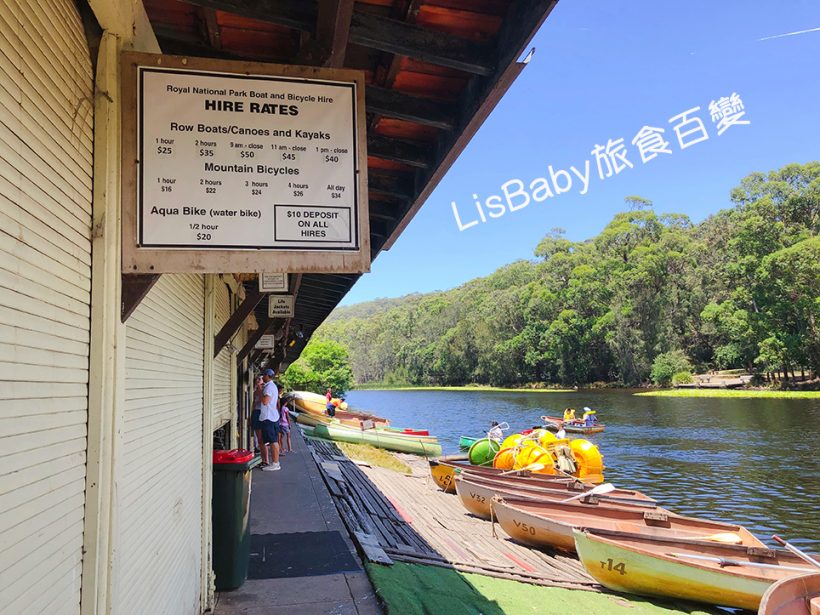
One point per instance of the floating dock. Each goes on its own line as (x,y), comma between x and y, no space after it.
(406,517)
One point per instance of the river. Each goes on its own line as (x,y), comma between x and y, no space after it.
(748,461)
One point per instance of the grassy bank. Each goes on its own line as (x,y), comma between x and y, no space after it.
(373,456)
(412,589)
(476,388)
(735,393)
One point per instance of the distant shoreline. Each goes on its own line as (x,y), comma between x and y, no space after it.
(732,393)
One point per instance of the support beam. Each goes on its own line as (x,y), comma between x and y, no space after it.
(413,41)
(264,327)
(296,14)
(398,151)
(333,30)
(391,103)
(401,186)
(252,299)
(212,28)
(134,288)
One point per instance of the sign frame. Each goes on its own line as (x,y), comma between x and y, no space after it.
(265,288)
(136,259)
(266,342)
(284,300)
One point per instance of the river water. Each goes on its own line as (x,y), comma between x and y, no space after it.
(748,461)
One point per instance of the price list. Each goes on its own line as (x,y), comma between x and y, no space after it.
(239,161)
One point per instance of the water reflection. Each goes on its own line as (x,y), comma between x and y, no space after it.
(748,461)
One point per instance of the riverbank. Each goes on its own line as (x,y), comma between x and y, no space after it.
(731,393)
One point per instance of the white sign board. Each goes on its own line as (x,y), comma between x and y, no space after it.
(280,306)
(266,342)
(232,161)
(273,282)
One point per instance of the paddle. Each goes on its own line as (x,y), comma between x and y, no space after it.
(723,562)
(725,537)
(599,490)
(533,467)
(796,551)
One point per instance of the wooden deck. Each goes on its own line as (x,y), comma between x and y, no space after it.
(407,518)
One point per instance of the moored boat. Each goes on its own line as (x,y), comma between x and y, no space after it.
(702,571)
(549,524)
(476,494)
(553,422)
(794,596)
(443,472)
(465,442)
(422,445)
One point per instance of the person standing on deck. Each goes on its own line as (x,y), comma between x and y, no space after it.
(330,407)
(256,424)
(284,428)
(270,419)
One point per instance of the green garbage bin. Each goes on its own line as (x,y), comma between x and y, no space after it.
(231,501)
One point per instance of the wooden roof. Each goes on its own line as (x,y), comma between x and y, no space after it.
(434,71)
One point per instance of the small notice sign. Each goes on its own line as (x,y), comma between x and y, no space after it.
(273,282)
(280,306)
(266,342)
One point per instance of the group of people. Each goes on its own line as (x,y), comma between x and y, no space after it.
(270,421)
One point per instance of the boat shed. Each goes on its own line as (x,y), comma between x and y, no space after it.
(117,382)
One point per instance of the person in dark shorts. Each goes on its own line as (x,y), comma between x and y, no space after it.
(270,419)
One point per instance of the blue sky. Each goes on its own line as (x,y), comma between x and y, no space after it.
(602,70)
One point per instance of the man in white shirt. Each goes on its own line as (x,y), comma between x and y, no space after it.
(269,418)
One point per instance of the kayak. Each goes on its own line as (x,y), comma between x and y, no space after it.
(312,403)
(549,524)
(465,442)
(702,571)
(477,494)
(423,445)
(570,427)
(312,420)
(794,596)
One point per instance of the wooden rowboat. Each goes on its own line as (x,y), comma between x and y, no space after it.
(570,427)
(549,524)
(444,472)
(477,495)
(794,596)
(703,571)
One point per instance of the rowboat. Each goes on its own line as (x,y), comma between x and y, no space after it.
(423,445)
(311,420)
(793,596)
(549,524)
(311,403)
(704,571)
(477,494)
(444,471)
(553,423)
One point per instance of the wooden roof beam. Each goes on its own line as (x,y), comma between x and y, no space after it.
(393,185)
(333,29)
(252,299)
(391,103)
(369,30)
(398,151)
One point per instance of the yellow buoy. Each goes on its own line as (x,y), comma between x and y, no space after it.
(589,459)
(512,441)
(534,454)
(505,459)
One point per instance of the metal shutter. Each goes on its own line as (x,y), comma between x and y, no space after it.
(159,503)
(46,106)
(222,363)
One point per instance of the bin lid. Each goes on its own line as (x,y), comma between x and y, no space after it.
(237,455)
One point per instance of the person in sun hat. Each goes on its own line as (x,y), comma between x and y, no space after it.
(269,417)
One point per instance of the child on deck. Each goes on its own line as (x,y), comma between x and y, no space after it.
(284,428)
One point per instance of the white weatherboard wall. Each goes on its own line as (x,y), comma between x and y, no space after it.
(46,87)
(157,550)
(222,363)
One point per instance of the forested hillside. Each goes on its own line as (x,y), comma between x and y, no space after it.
(739,290)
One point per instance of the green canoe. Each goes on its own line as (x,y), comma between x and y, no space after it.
(426,446)
(465,442)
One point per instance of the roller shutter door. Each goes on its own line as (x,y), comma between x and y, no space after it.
(222,363)
(46,103)
(159,502)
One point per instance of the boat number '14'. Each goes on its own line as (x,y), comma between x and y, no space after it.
(610,565)
(524,527)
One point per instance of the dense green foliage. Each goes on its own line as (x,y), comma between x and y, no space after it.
(739,290)
(324,363)
(667,365)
